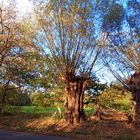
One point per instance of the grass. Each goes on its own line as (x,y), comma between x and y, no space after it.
(90,130)
(124,104)
(49,111)
(39,110)
(89,110)
(38,120)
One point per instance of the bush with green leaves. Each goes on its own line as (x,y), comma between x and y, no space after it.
(10,110)
(18,99)
(14,96)
(115,97)
(39,99)
(53,98)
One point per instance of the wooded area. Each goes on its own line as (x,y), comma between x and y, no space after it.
(50,57)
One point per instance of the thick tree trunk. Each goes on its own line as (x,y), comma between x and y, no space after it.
(136,98)
(134,87)
(4,93)
(74,108)
(137,116)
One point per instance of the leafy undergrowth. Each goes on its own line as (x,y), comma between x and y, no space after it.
(92,129)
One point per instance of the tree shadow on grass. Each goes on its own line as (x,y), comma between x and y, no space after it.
(92,129)
(96,130)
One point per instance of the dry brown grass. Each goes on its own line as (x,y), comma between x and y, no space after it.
(92,129)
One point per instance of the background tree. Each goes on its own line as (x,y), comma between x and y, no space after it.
(94,86)
(122,41)
(15,96)
(18,54)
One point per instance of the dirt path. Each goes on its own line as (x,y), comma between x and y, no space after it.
(10,135)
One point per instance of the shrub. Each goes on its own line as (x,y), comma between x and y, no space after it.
(46,99)
(18,99)
(37,99)
(9,110)
(14,96)
(117,98)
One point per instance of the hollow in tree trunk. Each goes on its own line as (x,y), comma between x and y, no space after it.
(74,108)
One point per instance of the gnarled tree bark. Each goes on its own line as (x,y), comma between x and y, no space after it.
(134,84)
(136,98)
(74,107)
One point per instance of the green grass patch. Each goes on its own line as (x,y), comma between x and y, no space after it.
(124,104)
(89,111)
(49,111)
(39,111)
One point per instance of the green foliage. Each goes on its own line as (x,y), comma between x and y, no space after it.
(14,96)
(10,110)
(57,96)
(114,17)
(53,98)
(38,99)
(18,99)
(115,97)
(94,87)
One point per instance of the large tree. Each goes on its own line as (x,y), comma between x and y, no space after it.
(18,54)
(122,35)
(67,35)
